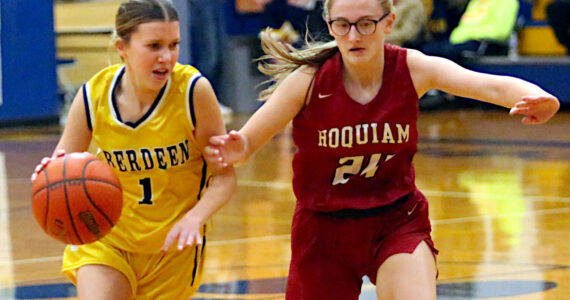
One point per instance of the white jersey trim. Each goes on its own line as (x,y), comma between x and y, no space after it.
(190,98)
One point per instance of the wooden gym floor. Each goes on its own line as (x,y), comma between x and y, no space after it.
(499,203)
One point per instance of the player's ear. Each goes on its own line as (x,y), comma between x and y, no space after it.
(120,47)
(390,21)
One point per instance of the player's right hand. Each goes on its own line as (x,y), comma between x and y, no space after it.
(536,109)
(44,162)
(227,149)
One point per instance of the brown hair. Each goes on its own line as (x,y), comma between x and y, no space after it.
(280,59)
(132,13)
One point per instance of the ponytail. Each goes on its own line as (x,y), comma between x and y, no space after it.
(282,59)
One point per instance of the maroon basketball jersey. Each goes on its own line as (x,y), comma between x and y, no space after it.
(354,156)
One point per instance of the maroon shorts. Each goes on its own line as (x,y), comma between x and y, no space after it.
(331,252)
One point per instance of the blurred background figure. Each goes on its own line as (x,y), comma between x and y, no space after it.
(484,29)
(207,43)
(459,29)
(410,20)
(558,12)
(443,17)
(304,16)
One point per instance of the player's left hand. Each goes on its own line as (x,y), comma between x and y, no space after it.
(44,162)
(536,109)
(186,232)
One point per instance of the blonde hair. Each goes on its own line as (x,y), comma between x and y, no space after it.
(281,59)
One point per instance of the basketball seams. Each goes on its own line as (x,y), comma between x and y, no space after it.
(65,181)
(75,193)
(67,200)
(47,201)
(83,172)
(83,180)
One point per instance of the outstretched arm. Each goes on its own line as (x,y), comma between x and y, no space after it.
(525,98)
(272,117)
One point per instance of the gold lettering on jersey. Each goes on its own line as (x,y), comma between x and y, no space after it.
(349,136)
(361,134)
(346,136)
(132,160)
(334,134)
(388,137)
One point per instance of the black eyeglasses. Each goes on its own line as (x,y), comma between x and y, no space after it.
(363,26)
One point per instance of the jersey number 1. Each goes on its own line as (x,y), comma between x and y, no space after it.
(147,191)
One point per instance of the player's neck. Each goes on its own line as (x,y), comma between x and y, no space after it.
(365,75)
(133,90)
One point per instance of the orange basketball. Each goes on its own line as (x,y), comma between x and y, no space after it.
(77,198)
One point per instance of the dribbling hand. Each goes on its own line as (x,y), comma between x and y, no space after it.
(536,109)
(44,162)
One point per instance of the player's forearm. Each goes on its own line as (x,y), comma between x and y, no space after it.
(501,90)
(256,135)
(218,193)
(510,90)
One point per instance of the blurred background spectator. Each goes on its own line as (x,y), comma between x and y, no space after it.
(231,27)
(410,20)
(558,12)
(484,29)
(443,18)
(208,42)
(303,15)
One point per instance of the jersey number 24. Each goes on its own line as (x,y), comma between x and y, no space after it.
(353,165)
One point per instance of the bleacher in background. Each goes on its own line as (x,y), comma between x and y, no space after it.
(550,72)
(83,34)
(83,31)
(535,35)
(538,56)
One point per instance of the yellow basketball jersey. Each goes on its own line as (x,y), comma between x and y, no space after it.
(161,170)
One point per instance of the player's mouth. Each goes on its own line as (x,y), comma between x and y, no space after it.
(160,74)
(356,50)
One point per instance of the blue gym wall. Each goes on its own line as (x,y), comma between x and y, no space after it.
(29,83)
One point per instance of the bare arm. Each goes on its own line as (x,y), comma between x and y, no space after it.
(209,122)
(430,72)
(278,111)
(283,105)
(76,134)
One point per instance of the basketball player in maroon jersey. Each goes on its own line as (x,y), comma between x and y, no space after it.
(354,107)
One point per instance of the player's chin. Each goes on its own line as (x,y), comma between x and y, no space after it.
(156,82)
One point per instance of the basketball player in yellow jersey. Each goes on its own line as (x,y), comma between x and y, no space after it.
(151,119)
